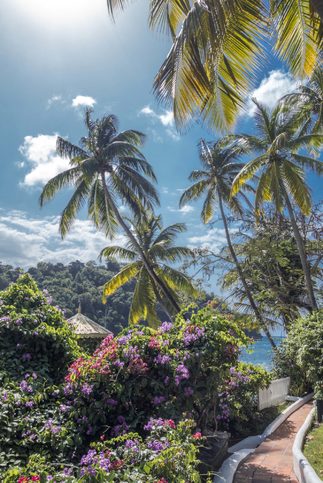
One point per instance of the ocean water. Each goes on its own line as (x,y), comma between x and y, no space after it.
(261,352)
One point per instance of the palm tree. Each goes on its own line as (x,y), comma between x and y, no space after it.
(219,44)
(281,169)
(107,167)
(158,245)
(220,166)
(309,99)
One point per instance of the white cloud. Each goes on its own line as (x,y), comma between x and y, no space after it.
(25,241)
(83,101)
(271,89)
(166,119)
(41,158)
(55,100)
(184,210)
(214,239)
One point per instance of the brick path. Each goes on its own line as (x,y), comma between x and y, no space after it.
(272,461)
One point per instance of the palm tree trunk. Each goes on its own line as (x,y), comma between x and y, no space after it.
(242,277)
(130,235)
(301,251)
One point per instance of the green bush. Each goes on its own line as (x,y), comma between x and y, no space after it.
(34,337)
(300,355)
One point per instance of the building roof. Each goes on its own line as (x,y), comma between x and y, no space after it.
(85,327)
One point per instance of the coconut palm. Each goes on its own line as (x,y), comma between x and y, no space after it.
(214,181)
(309,99)
(107,170)
(281,168)
(219,44)
(158,245)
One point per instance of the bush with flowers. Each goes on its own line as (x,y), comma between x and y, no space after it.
(180,368)
(167,454)
(34,337)
(36,347)
(67,416)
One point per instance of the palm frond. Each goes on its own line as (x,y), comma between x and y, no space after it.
(297,35)
(117,253)
(168,234)
(66,149)
(294,181)
(73,207)
(126,274)
(55,184)
(247,172)
(144,301)
(193,192)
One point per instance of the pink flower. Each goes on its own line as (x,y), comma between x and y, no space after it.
(197,435)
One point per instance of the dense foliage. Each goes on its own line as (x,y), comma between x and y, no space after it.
(300,356)
(121,414)
(68,285)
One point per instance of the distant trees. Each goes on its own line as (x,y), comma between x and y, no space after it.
(78,282)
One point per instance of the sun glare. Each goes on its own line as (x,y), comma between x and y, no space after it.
(57,14)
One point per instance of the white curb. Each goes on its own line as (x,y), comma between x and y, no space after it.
(248,445)
(302,468)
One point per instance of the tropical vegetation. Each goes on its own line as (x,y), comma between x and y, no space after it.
(120,414)
(157,243)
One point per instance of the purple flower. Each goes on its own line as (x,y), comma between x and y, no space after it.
(192,334)
(67,471)
(157,445)
(5,319)
(166,327)
(24,386)
(157,400)
(182,373)
(188,391)
(5,396)
(166,380)
(64,408)
(86,389)
(154,423)
(162,359)
(29,404)
(18,322)
(132,444)
(111,402)
(68,389)
(118,363)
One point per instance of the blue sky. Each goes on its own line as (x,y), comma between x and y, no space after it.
(56,57)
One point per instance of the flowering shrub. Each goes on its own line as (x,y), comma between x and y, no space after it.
(127,408)
(179,368)
(168,454)
(36,347)
(34,337)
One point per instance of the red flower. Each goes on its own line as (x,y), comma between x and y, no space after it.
(23,479)
(35,478)
(116,464)
(170,423)
(102,437)
(154,343)
(197,435)
(162,480)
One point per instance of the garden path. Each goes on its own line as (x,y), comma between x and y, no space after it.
(272,461)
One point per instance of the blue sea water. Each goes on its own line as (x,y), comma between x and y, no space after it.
(260,352)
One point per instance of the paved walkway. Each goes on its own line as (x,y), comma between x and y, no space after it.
(272,461)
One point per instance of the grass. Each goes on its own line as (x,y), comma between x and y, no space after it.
(313,449)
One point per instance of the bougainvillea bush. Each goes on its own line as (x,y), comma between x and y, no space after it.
(135,410)
(181,368)
(36,347)
(167,454)
(34,337)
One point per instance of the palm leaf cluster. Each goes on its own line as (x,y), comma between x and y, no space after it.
(158,244)
(104,157)
(218,45)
